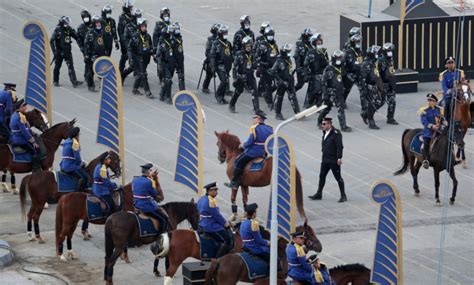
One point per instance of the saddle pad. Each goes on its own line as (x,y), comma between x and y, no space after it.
(20,155)
(94,209)
(66,183)
(256,166)
(146,227)
(416,144)
(209,247)
(256,267)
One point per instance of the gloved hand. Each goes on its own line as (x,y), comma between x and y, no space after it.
(94,58)
(117,45)
(35,145)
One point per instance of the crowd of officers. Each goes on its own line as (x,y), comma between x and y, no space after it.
(247,57)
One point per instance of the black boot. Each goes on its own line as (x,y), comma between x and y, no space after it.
(235,182)
(343,192)
(36,163)
(317,196)
(222,250)
(392,121)
(372,125)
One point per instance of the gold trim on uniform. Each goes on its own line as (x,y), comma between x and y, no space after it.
(253,132)
(22,118)
(75,145)
(153,184)
(299,250)
(212,202)
(103,171)
(255,225)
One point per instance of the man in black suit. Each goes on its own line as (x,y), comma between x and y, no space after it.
(332,159)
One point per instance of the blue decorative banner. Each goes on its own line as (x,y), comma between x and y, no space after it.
(286,186)
(189,160)
(110,127)
(388,260)
(38,79)
(410,5)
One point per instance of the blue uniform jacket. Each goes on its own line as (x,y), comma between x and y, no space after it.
(144,194)
(255,144)
(6,106)
(251,237)
(102,184)
(210,219)
(447,79)
(298,267)
(71,159)
(430,117)
(20,129)
(323,275)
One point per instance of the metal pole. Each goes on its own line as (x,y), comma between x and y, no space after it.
(370,9)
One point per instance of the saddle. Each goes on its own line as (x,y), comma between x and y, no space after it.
(96,200)
(257,164)
(143,216)
(256,267)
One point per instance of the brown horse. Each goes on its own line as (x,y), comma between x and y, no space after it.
(441,151)
(228,150)
(230,269)
(42,185)
(355,274)
(462,116)
(36,119)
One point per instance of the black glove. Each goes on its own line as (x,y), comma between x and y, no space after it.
(117,45)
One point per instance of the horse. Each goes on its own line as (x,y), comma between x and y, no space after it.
(230,268)
(42,185)
(462,116)
(355,274)
(441,149)
(36,119)
(228,149)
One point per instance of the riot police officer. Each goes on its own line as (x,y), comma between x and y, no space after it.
(369,88)
(61,47)
(179,54)
(221,62)
(265,55)
(164,22)
(351,65)
(301,49)
(130,30)
(124,19)
(140,50)
(333,90)
(244,68)
(316,60)
(243,32)
(260,37)
(281,71)
(206,65)
(110,28)
(82,30)
(352,31)
(167,60)
(94,47)
(387,74)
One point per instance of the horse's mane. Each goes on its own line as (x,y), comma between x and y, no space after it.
(350,267)
(51,130)
(230,140)
(178,205)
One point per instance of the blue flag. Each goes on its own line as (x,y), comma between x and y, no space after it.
(388,258)
(189,160)
(38,79)
(410,5)
(286,187)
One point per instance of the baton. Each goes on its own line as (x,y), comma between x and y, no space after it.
(200,76)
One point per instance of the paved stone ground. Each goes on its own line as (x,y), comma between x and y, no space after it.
(346,230)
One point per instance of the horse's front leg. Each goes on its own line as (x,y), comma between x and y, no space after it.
(463,158)
(233,198)
(5,187)
(452,174)
(245,196)
(13,183)
(436,178)
(414,170)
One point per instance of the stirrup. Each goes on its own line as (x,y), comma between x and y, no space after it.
(426,164)
(232,184)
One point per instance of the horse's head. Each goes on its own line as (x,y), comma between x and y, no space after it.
(311,240)
(225,141)
(193,215)
(115,163)
(63,128)
(464,91)
(37,120)
(458,134)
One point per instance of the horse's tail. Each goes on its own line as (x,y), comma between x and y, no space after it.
(299,194)
(404,167)
(59,218)
(23,188)
(109,242)
(211,272)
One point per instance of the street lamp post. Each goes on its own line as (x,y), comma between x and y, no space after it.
(274,218)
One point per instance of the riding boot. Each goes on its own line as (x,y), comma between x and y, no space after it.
(36,163)
(222,250)
(80,185)
(373,126)
(235,182)
(343,193)
(317,196)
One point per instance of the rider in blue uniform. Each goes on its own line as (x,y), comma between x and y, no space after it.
(254,147)
(212,222)
(431,117)
(321,271)
(71,162)
(252,239)
(21,135)
(298,267)
(102,186)
(146,197)
(7,98)
(448,80)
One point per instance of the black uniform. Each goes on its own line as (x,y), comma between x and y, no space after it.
(281,72)
(351,71)
(94,47)
(314,64)
(301,50)
(333,94)
(61,47)
(140,50)
(110,34)
(369,87)
(239,36)
(130,30)
(207,61)
(179,54)
(266,55)
(166,58)
(244,68)
(124,19)
(221,62)
(81,38)
(387,74)
(159,26)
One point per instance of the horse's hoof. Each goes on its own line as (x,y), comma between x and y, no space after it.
(41,240)
(168,280)
(233,217)
(464,164)
(31,237)
(86,235)
(15,191)
(72,254)
(46,205)
(417,194)
(438,203)
(62,258)
(451,201)
(157,274)
(5,187)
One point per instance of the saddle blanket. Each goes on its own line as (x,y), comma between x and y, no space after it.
(258,165)
(208,246)
(416,144)
(20,155)
(145,226)
(94,208)
(256,267)
(66,183)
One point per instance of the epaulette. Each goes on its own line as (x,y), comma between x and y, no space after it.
(422,110)
(75,145)
(441,75)
(255,225)
(252,130)
(153,184)
(461,73)
(299,250)
(103,171)
(22,118)
(212,202)
(441,110)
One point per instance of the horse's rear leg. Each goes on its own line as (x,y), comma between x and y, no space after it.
(29,225)
(245,196)
(463,158)
(13,183)
(124,256)
(452,174)
(84,230)
(5,187)
(436,178)
(415,166)
(36,216)
(233,198)
(109,266)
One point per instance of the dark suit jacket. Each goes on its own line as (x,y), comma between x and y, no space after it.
(332,146)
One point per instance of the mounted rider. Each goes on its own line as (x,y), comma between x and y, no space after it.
(102,186)
(432,116)
(212,222)
(71,162)
(449,79)
(146,197)
(252,239)
(299,269)
(254,147)
(7,99)
(321,271)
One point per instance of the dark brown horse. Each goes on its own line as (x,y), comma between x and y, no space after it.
(441,151)
(355,274)
(228,150)
(462,116)
(42,185)
(230,268)
(36,119)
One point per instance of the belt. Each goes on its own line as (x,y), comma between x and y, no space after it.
(98,182)
(15,131)
(292,264)
(141,197)
(68,157)
(260,143)
(247,240)
(204,216)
